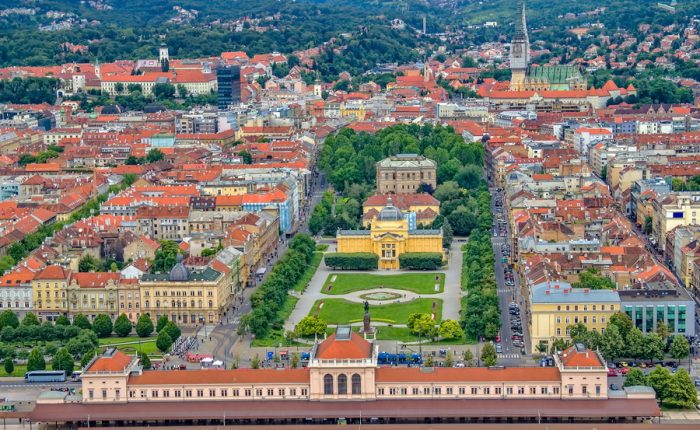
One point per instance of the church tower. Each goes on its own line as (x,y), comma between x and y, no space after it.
(98,72)
(163,54)
(519,50)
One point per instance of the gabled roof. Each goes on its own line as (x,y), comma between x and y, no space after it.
(355,347)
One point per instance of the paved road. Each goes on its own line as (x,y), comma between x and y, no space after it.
(225,336)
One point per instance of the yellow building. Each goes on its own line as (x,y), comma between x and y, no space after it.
(193,297)
(672,211)
(555,306)
(389,236)
(425,207)
(49,290)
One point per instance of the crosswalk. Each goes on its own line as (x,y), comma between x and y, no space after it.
(508,355)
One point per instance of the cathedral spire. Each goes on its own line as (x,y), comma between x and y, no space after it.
(521,22)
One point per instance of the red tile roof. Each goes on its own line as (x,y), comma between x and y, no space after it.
(571,357)
(470,374)
(355,347)
(116,363)
(219,376)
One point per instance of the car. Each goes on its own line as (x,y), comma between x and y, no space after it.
(499,348)
(642,365)
(612,372)
(498,338)
(623,371)
(696,381)
(614,387)
(624,364)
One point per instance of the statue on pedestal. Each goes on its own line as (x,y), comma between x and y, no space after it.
(367,319)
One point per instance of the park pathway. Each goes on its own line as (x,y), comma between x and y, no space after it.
(451,295)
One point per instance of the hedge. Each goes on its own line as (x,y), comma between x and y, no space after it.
(352,260)
(420,260)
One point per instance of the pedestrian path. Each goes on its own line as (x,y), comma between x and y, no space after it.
(509,356)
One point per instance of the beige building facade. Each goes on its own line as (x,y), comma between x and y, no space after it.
(404,173)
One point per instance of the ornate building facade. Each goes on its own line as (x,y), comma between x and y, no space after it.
(389,236)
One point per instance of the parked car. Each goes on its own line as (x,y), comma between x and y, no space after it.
(612,372)
(499,348)
(614,387)
(623,371)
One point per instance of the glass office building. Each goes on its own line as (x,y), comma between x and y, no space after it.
(228,79)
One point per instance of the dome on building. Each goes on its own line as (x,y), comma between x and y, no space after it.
(390,212)
(154,108)
(111,110)
(179,272)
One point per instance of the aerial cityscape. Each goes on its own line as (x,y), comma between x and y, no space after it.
(410,214)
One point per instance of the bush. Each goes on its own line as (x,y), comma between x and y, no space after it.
(352,260)
(35,361)
(81,321)
(420,260)
(162,322)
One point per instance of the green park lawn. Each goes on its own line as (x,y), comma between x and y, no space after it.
(146,345)
(421,283)
(340,311)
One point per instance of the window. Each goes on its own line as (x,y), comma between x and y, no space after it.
(533,390)
(449,391)
(304,392)
(474,390)
(91,394)
(415,391)
(544,390)
(258,392)
(236,393)
(437,390)
(356,384)
(342,384)
(404,391)
(571,390)
(558,331)
(212,392)
(270,392)
(104,394)
(509,390)
(200,393)
(499,390)
(521,390)
(281,392)
(292,391)
(188,393)
(392,391)
(426,391)
(461,390)
(597,390)
(248,392)
(178,393)
(381,391)
(584,389)
(487,390)
(328,384)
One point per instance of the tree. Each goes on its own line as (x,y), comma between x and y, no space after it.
(144,326)
(311,325)
(662,330)
(9,366)
(246,158)
(173,330)
(635,376)
(648,224)
(163,91)
(447,234)
(62,320)
(449,359)
(635,343)
(119,88)
(86,357)
(592,279)
(102,326)
(612,344)
(35,361)
(145,361)
(8,319)
(659,379)
(447,191)
(468,357)
(166,256)
(163,341)
(17,251)
(559,345)
(681,390)
(162,322)
(450,329)
(422,324)
(255,362)
(488,355)
(30,319)
(469,177)
(154,155)
(653,347)
(81,321)
(122,325)
(88,264)
(295,360)
(680,348)
(63,361)
(623,323)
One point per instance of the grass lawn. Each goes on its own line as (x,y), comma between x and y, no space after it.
(340,311)
(20,370)
(301,284)
(421,283)
(117,340)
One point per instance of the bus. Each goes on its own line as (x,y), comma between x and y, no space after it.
(76,375)
(45,376)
